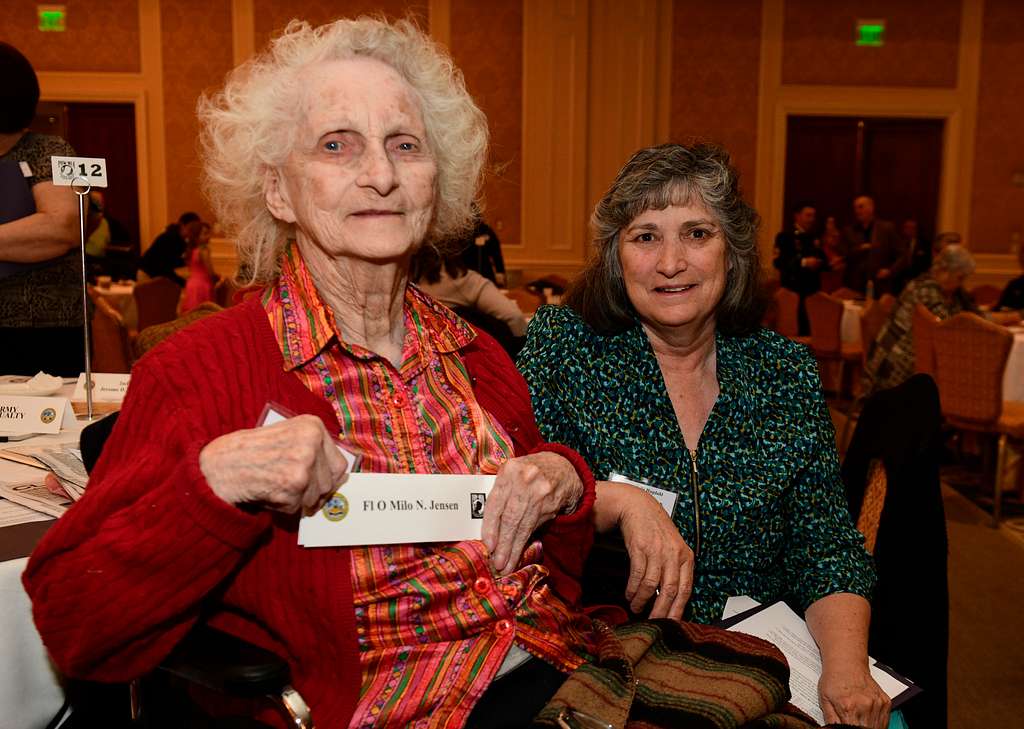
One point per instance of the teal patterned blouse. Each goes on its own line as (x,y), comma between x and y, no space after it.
(773,519)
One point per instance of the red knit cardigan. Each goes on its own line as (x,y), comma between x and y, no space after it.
(124,575)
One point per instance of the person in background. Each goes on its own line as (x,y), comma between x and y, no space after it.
(167,253)
(918,252)
(1012,298)
(872,249)
(481,252)
(105,236)
(657,369)
(199,286)
(40,272)
(446,279)
(831,243)
(946,238)
(800,259)
(890,358)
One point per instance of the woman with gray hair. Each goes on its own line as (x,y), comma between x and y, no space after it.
(656,371)
(890,359)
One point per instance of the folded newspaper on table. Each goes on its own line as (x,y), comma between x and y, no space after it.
(778,624)
(12,514)
(386,508)
(36,497)
(63,460)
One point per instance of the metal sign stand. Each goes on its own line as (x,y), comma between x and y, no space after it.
(82,188)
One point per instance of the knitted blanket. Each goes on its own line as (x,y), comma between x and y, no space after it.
(660,673)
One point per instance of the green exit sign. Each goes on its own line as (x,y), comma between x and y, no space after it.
(870,33)
(52,18)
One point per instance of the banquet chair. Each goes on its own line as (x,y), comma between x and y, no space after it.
(224,292)
(787,317)
(872,319)
(970,358)
(227,670)
(109,339)
(157,301)
(986,295)
(153,335)
(825,313)
(923,334)
(847,294)
(891,477)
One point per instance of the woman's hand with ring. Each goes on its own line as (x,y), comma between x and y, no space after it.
(528,492)
(289,466)
(660,561)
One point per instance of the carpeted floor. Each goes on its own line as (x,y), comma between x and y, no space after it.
(986,644)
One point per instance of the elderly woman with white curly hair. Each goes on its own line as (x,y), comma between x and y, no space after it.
(333,157)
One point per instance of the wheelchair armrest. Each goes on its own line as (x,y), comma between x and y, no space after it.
(216,660)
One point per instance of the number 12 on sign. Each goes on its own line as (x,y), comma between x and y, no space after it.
(68,170)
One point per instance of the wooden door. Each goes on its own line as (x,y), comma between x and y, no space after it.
(832,160)
(108,130)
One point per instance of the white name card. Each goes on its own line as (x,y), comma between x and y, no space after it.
(66,170)
(667,499)
(20,414)
(106,387)
(387,508)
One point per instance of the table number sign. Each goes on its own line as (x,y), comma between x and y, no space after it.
(105,387)
(20,414)
(68,170)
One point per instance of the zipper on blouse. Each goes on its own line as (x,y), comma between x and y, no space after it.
(695,487)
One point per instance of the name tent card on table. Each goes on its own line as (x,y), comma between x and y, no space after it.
(106,387)
(21,414)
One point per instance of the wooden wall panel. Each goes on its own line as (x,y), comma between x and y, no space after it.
(555,48)
(921,40)
(271,16)
(197,53)
(622,94)
(715,71)
(486,42)
(997,205)
(105,34)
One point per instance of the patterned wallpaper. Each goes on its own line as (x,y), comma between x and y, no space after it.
(997,206)
(487,44)
(197,52)
(715,69)
(273,15)
(106,34)
(921,43)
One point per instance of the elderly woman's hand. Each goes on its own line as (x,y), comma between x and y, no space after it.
(289,466)
(849,695)
(660,561)
(528,491)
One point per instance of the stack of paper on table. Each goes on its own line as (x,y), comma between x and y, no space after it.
(35,496)
(64,461)
(12,513)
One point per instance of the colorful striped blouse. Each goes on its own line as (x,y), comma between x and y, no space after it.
(433,623)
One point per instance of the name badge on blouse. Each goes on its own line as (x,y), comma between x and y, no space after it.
(667,499)
(389,508)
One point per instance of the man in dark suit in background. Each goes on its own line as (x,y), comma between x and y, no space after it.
(919,253)
(800,259)
(168,250)
(873,250)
